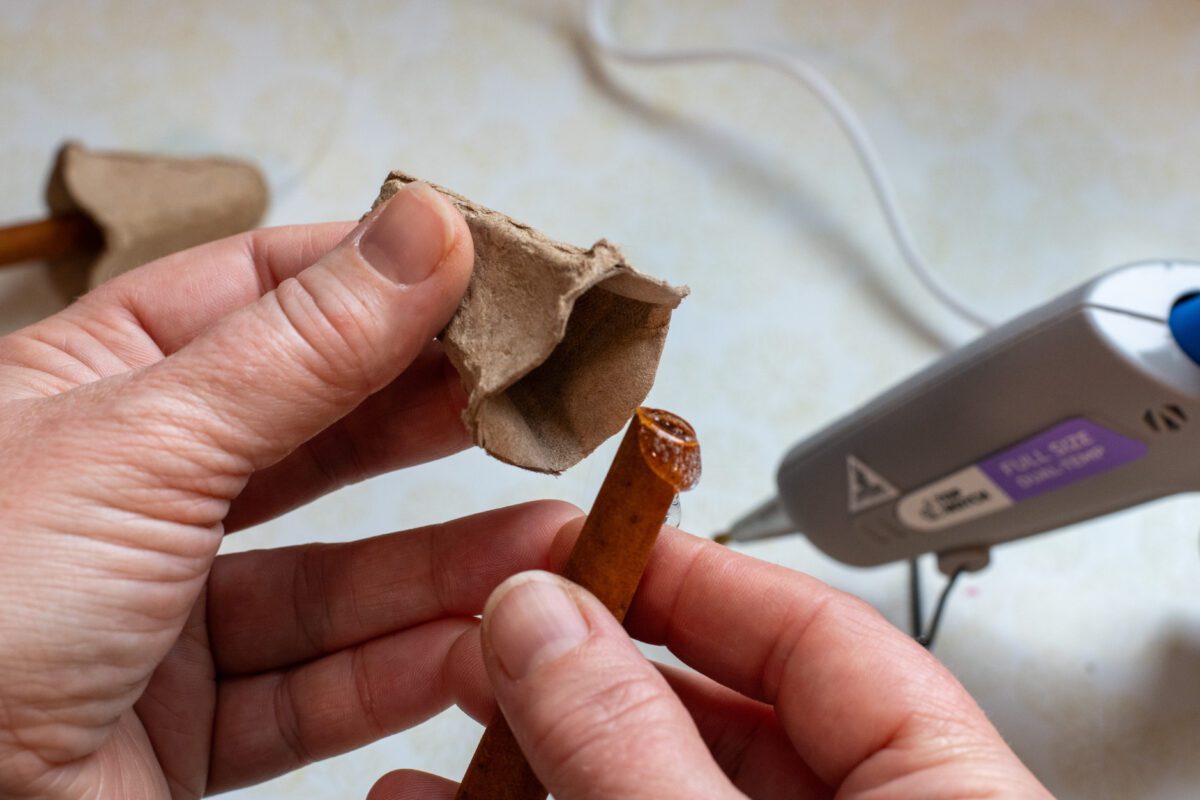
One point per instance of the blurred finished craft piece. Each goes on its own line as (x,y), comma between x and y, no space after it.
(556,345)
(111,212)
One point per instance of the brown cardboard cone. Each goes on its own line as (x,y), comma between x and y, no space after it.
(556,345)
(147,207)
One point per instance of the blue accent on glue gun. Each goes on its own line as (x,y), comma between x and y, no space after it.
(1184,323)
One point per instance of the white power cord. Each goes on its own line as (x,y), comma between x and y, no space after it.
(600,37)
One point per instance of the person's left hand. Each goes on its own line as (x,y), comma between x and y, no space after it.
(197,395)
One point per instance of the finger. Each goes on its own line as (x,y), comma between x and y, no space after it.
(745,737)
(175,298)
(269,377)
(135,319)
(817,655)
(409,784)
(414,419)
(276,722)
(272,608)
(594,718)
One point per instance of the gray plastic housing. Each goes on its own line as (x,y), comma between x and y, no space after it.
(1102,352)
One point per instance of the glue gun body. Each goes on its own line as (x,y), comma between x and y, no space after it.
(1080,407)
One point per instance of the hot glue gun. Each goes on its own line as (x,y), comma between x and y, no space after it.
(1083,406)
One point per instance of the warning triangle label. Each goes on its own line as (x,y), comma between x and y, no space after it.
(865,487)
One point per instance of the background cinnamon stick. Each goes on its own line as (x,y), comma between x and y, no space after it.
(658,458)
(53,237)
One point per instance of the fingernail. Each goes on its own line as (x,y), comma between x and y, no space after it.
(530,620)
(410,235)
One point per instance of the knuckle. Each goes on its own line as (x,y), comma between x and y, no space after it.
(289,724)
(337,456)
(448,570)
(936,739)
(852,611)
(620,703)
(367,699)
(310,595)
(607,721)
(557,512)
(338,330)
(800,618)
(154,456)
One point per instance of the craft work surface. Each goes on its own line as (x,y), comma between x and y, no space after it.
(1033,145)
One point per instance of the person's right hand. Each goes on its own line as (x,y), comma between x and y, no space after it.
(801,691)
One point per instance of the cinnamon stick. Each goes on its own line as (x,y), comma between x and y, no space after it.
(53,237)
(658,458)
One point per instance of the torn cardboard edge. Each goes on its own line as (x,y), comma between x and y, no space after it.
(556,345)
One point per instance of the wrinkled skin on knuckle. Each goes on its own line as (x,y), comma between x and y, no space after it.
(339,328)
(940,757)
(608,732)
(942,741)
(942,735)
(112,481)
(144,436)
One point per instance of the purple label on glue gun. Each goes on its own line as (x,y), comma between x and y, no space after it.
(1057,457)
(1068,452)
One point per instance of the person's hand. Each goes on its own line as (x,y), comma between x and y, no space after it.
(801,691)
(225,385)
(195,396)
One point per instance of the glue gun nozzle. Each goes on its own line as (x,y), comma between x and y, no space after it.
(767,520)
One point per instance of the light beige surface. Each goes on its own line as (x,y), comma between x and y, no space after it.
(1033,144)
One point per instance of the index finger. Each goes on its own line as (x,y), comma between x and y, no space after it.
(845,683)
(176,297)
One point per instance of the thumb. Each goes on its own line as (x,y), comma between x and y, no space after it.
(595,719)
(273,374)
